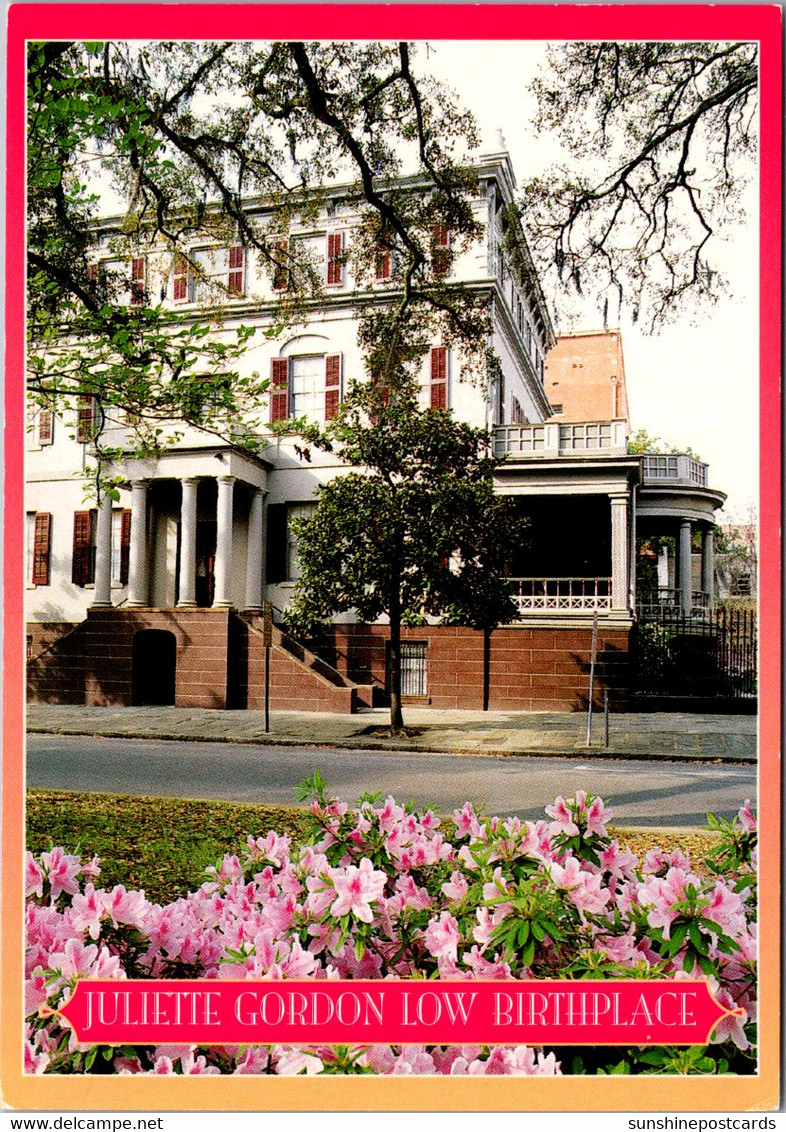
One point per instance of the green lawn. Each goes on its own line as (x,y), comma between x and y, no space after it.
(162,845)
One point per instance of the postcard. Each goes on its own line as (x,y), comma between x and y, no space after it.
(392,563)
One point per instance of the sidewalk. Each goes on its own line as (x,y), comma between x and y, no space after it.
(672,736)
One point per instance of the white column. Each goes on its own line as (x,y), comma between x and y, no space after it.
(222,595)
(685,576)
(103,575)
(188,513)
(619,552)
(708,565)
(137,551)
(255,549)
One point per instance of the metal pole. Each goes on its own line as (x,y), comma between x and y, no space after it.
(267,629)
(606,714)
(593,652)
(267,689)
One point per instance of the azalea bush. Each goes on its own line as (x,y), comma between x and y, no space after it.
(380,893)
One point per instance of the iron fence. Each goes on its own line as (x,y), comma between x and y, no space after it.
(707,654)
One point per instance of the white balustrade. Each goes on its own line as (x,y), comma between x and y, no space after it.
(575,595)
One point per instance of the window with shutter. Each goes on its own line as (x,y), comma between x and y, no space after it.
(235,280)
(41,549)
(332,385)
(96,277)
(85,419)
(279,389)
(46,424)
(335,258)
(182,279)
(440,250)
(125,545)
(438,398)
(83,562)
(137,282)
(383,265)
(281,276)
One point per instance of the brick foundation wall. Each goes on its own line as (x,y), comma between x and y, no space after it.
(294,684)
(56,675)
(512,668)
(200,652)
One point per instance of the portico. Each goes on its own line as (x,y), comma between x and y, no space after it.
(196,532)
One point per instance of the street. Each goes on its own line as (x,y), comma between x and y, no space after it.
(641,793)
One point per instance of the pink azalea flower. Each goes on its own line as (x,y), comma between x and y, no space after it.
(127,907)
(357,887)
(36,994)
(255,1060)
(563,820)
(34,876)
(597,816)
(441,937)
(618,862)
(456,887)
(197,1067)
(61,870)
(467,823)
(746,816)
(292,1062)
(87,910)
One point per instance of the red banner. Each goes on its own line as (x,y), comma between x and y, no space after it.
(364,1012)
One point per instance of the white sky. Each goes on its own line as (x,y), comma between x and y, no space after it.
(691,385)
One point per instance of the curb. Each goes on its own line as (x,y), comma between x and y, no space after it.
(377,745)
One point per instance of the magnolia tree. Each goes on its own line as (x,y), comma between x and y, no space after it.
(415,532)
(382,892)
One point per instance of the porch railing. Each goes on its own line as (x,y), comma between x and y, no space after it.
(678,468)
(577,595)
(668,598)
(551,439)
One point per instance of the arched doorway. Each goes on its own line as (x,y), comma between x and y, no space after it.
(153,662)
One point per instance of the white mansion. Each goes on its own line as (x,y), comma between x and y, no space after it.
(157,598)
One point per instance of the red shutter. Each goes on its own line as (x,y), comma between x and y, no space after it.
(80,563)
(440,250)
(335,257)
(92,272)
(383,265)
(84,419)
(41,536)
(45,426)
(181,278)
(235,282)
(332,385)
(439,378)
(137,282)
(125,545)
(279,389)
(281,266)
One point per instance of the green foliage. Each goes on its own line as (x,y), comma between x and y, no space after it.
(184,133)
(416,532)
(642,443)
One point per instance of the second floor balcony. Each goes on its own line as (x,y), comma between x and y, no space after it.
(552,440)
